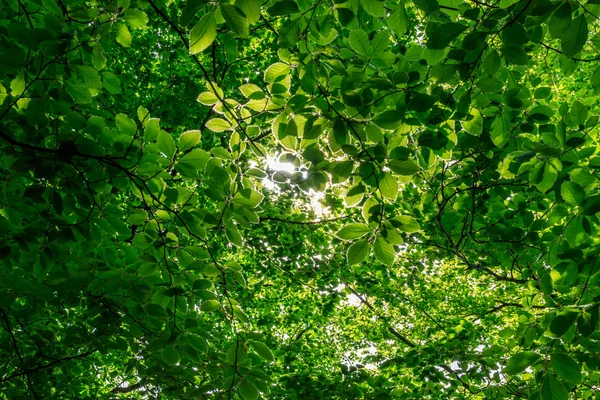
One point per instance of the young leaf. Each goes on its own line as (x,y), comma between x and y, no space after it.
(170,355)
(203,34)
(474,126)
(389,120)
(123,35)
(407,223)
(207,98)
(276,72)
(515,55)
(388,185)
(262,350)
(358,251)
(252,91)
(135,18)
(553,389)
(501,130)
(353,231)
(218,125)
(155,310)
(404,167)
(566,367)
(166,144)
(562,322)
(384,251)
(210,305)
(575,36)
(572,193)
(520,361)
(197,342)
(248,390)
(189,139)
(444,34)
(236,19)
(359,41)
(111,82)
(398,20)
(283,7)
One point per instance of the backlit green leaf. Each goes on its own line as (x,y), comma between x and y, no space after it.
(203,34)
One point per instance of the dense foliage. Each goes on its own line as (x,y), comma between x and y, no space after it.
(299,199)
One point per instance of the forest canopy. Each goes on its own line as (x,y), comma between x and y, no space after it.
(299,199)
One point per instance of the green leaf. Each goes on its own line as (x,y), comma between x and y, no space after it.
(276,72)
(247,390)
(388,185)
(262,350)
(389,120)
(210,305)
(474,126)
(170,355)
(111,82)
(147,270)
(542,93)
(492,63)
(218,125)
(594,80)
(207,98)
(404,167)
(501,129)
(239,314)
(515,55)
(520,361)
(353,231)
(125,125)
(587,322)
(562,322)
(248,198)
(560,21)
(508,3)
(428,6)
(407,223)
(252,91)
(166,144)
(78,91)
(189,139)
(553,389)
(284,7)
(251,8)
(543,175)
(195,159)
(442,35)
(236,19)
(3,94)
(359,41)
(135,18)
(375,8)
(398,20)
(384,251)
(233,235)
(572,193)
(443,73)
(575,36)
(578,113)
(358,251)
(155,310)
(380,42)
(566,367)
(198,343)
(123,35)
(546,283)
(89,76)
(203,33)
